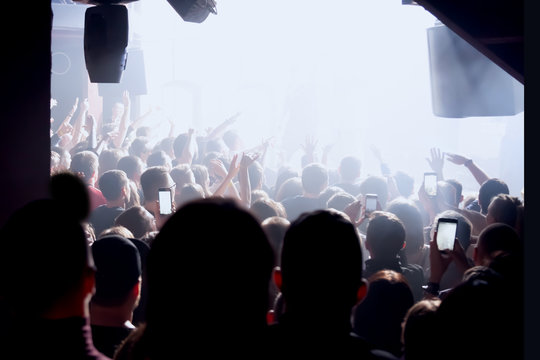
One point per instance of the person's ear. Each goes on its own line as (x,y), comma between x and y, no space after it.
(404,245)
(362,291)
(276,276)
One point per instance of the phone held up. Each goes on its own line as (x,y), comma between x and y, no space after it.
(165,201)
(430,183)
(446,234)
(371,203)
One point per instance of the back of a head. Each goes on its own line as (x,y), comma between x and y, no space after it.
(489,189)
(189,192)
(118,269)
(379,316)
(446,194)
(375,185)
(340,201)
(481,319)
(412,220)
(385,235)
(314,178)
(458,187)
(111,184)
(349,168)
(85,163)
(44,255)
(503,208)
(70,190)
(131,165)
(152,179)
(138,220)
(321,247)
(214,248)
(418,336)
(182,174)
(290,187)
(159,158)
(404,183)
(139,147)
(284,173)
(495,239)
(265,207)
(108,159)
(179,143)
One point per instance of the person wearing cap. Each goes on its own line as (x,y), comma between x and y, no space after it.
(118,286)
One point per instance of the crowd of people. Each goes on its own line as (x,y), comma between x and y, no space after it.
(241,266)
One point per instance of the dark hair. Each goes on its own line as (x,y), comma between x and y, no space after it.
(137,219)
(111,184)
(314,178)
(85,163)
(385,234)
(404,183)
(349,168)
(131,165)
(488,190)
(375,185)
(152,179)
(313,239)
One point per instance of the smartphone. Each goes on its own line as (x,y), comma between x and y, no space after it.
(430,183)
(446,233)
(371,203)
(165,201)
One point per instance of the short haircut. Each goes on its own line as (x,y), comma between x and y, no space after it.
(321,247)
(459,189)
(139,146)
(182,174)
(340,201)
(314,178)
(137,219)
(412,220)
(158,158)
(404,183)
(275,228)
(85,163)
(504,208)
(499,238)
(265,207)
(349,168)
(131,165)
(488,190)
(385,234)
(108,159)
(375,185)
(118,269)
(111,184)
(152,179)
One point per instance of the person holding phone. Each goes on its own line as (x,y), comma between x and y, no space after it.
(152,180)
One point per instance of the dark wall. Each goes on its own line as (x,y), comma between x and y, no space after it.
(25,82)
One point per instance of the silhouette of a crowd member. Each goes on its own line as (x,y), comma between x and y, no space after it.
(385,237)
(46,282)
(118,287)
(321,281)
(223,269)
(314,181)
(378,317)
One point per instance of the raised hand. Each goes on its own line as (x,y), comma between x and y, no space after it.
(436,162)
(456,159)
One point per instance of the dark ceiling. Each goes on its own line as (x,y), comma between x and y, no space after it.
(493,27)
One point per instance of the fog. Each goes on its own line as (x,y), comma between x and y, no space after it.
(350,74)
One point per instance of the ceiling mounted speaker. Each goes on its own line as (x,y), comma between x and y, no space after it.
(106,33)
(194,10)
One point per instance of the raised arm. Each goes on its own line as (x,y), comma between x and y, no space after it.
(243,178)
(234,168)
(123,127)
(478,173)
(436,162)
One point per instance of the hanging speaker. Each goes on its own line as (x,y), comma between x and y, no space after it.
(105,40)
(466,83)
(194,10)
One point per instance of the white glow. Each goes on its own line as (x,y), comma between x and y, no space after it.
(349,72)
